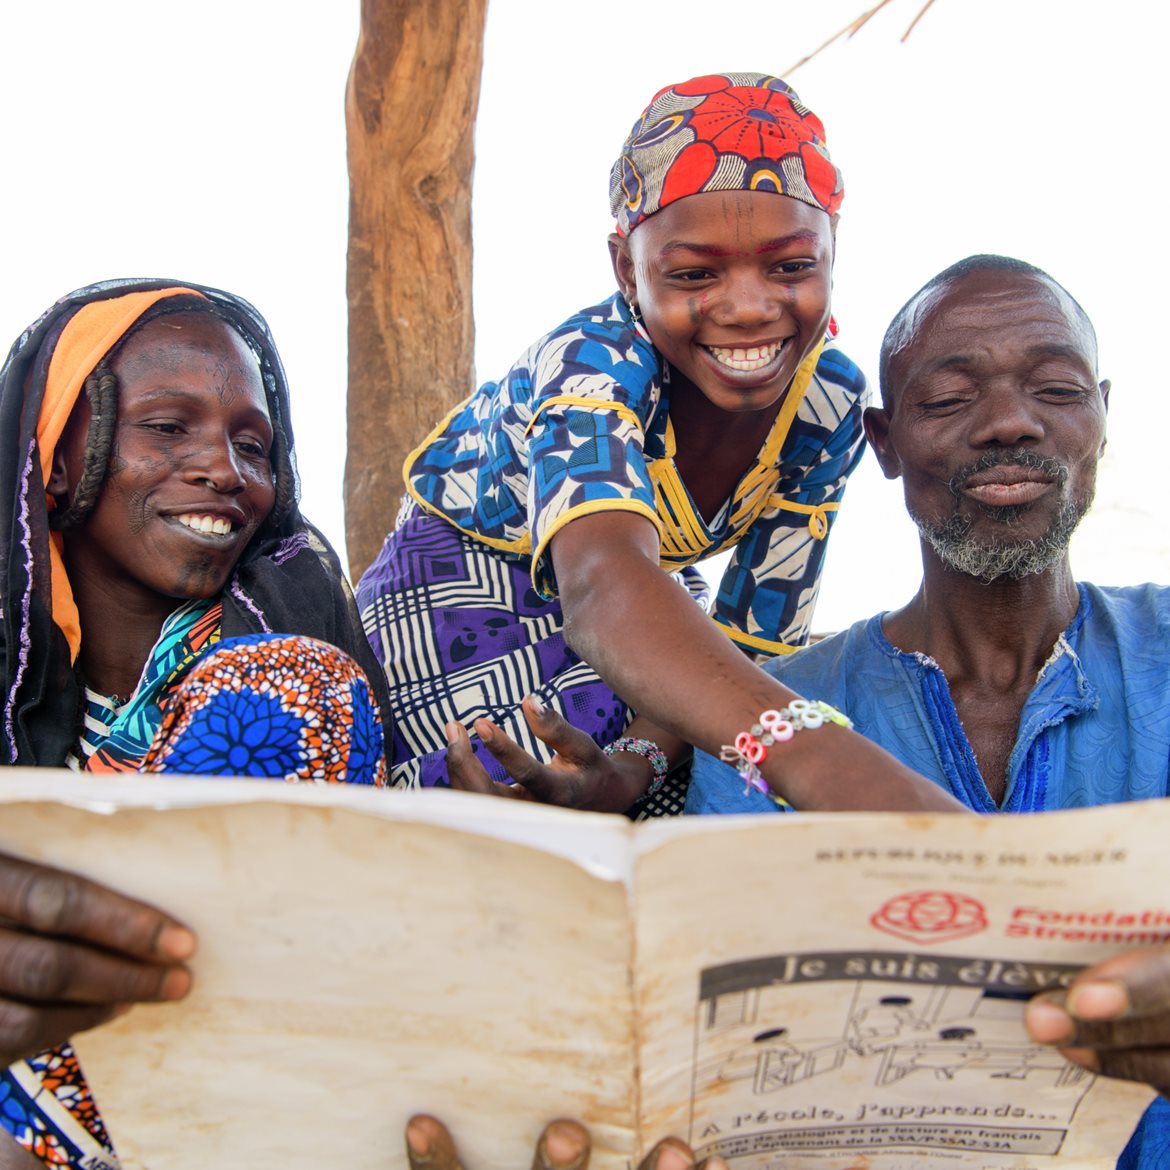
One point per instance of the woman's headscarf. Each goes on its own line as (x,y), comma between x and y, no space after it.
(722,132)
(288,580)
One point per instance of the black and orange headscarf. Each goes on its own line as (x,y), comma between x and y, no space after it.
(288,581)
(88,336)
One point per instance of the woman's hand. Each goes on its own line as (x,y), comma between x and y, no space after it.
(580,775)
(1114,1019)
(74,954)
(564,1145)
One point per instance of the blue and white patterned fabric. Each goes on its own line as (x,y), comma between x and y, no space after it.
(1095,730)
(581,424)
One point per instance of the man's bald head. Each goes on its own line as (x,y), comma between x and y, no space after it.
(914,312)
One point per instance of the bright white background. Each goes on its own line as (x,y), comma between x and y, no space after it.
(207,142)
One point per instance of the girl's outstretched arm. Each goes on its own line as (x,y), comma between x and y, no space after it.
(649,642)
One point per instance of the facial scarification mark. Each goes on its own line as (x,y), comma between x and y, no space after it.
(136,510)
(225,373)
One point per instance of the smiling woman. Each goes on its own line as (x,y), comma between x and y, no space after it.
(167,529)
(165,605)
(189,481)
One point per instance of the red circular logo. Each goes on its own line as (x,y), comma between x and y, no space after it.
(931,916)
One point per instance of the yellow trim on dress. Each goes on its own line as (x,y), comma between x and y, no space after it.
(818,514)
(521,547)
(755,642)
(585,403)
(687,537)
(585,509)
(690,534)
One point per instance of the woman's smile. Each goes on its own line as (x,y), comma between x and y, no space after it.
(207,525)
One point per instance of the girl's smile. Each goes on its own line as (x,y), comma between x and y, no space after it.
(733,287)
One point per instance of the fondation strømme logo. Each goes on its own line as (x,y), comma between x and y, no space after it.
(931,916)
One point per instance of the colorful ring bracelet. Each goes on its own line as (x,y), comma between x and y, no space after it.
(751,747)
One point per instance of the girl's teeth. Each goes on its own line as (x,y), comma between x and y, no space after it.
(752,358)
(214,525)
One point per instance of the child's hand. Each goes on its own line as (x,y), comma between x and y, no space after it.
(564,1145)
(580,775)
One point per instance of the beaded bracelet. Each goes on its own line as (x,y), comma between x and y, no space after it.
(751,747)
(648,750)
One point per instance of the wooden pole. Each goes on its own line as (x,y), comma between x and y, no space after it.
(410,112)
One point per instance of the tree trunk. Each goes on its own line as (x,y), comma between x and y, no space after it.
(410,114)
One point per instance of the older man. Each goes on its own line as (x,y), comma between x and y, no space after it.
(1003,679)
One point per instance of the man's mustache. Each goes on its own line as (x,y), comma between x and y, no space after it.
(1018,457)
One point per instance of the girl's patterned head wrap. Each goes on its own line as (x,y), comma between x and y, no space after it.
(722,132)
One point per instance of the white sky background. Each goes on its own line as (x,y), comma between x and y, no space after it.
(207,142)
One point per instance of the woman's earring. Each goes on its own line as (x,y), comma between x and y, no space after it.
(635,315)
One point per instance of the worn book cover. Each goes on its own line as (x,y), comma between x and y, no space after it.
(829,992)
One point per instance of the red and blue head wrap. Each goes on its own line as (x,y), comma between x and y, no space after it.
(722,132)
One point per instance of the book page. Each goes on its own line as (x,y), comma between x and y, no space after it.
(839,992)
(353,969)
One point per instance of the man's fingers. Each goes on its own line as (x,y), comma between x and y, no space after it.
(669,1154)
(1150,1066)
(1114,1019)
(1126,1032)
(429,1146)
(1123,1002)
(50,970)
(564,1145)
(53,902)
(1134,984)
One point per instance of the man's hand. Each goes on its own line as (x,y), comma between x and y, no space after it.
(1114,1019)
(580,775)
(74,954)
(564,1145)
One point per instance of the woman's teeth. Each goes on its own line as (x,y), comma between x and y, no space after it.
(754,357)
(215,525)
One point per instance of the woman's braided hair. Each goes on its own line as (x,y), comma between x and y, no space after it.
(101,390)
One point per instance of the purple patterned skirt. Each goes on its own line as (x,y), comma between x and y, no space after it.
(463,635)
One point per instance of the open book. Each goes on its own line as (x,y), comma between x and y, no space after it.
(805,991)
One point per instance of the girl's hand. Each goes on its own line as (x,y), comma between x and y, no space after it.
(564,1145)
(580,775)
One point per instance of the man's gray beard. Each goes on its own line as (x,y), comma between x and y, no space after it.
(959,550)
